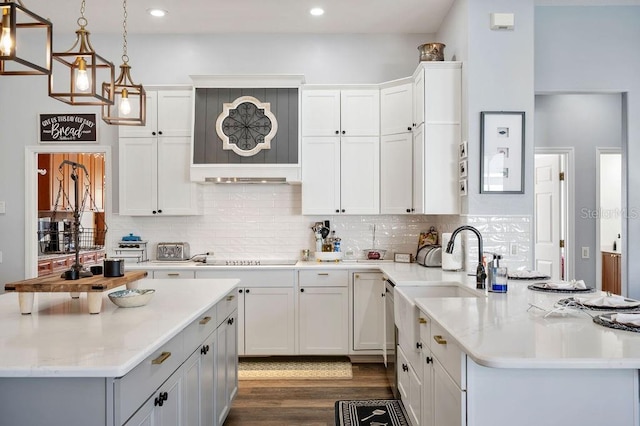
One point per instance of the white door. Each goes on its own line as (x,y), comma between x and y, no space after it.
(396,112)
(174,113)
(320,113)
(396,174)
(547,215)
(359,113)
(176,192)
(323,320)
(138,172)
(269,320)
(321,175)
(368,308)
(359,175)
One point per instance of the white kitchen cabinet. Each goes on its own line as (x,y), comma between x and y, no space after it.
(396,109)
(266,309)
(165,407)
(154,160)
(199,379)
(269,320)
(340,151)
(174,274)
(368,309)
(226,366)
(396,173)
(409,387)
(323,312)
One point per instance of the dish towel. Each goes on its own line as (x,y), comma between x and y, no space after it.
(628,319)
(566,285)
(614,301)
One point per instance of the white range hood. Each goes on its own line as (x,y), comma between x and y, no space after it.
(246,129)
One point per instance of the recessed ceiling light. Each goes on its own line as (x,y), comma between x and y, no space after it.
(316,11)
(157,12)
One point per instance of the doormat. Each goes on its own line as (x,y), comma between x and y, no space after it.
(375,412)
(264,370)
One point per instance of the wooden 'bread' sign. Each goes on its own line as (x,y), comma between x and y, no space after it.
(68,128)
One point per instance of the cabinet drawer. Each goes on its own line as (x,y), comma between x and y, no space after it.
(136,386)
(279,278)
(453,360)
(323,278)
(174,274)
(200,329)
(226,306)
(425,330)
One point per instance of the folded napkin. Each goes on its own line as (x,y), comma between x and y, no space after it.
(614,301)
(525,273)
(566,285)
(629,319)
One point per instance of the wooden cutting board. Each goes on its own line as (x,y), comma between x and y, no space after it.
(55,284)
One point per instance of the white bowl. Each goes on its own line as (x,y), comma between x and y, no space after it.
(131,298)
(328,256)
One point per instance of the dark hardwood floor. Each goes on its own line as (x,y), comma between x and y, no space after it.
(304,402)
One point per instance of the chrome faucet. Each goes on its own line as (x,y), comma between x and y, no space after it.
(481,274)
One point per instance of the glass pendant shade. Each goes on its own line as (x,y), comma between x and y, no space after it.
(76,73)
(130,100)
(21,27)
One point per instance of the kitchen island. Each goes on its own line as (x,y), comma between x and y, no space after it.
(60,365)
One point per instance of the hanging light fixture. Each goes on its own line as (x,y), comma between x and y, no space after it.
(16,19)
(130,100)
(81,68)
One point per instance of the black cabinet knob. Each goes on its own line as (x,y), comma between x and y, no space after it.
(408,210)
(240,291)
(302,290)
(337,210)
(337,132)
(164,395)
(418,345)
(203,350)
(160,132)
(413,210)
(230,321)
(342,211)
(343,132)
(158,402)
(247,291)
(409,128)
(159,211)
(154,212)
(153,133)
(405,367)
(429,360)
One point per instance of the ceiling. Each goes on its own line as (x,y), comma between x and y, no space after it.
(261,16)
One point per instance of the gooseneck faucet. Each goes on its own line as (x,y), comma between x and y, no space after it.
(481,274)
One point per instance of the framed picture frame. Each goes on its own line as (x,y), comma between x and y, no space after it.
(66,128)
(462,151)
(462,185)
(462,169)
(502,152)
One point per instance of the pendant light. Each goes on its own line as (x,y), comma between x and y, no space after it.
(16,22)
(80,69)
(130,99)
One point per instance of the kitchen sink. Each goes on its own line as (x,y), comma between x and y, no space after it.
(407,313)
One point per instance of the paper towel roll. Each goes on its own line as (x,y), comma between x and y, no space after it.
(453,261)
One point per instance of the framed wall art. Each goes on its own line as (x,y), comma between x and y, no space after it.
(462,169)
(502,152)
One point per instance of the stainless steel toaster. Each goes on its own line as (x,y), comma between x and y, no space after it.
(172,251)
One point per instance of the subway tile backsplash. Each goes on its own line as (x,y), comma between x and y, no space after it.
(265,222)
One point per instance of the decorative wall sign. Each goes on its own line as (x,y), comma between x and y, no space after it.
(463,150)
(502,152)
(462,169)
(462,187)
(68,128)
(246,126)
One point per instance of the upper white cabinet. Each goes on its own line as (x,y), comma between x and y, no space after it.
(340,151)
(396,109)
(419,161)
(154,159)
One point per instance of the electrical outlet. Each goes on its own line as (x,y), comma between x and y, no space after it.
(585,252)
(513,249)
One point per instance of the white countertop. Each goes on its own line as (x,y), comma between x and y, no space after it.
(61,339)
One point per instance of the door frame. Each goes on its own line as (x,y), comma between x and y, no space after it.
(567,163)
(31,195)
(623,204)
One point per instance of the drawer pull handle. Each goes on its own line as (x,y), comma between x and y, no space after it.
(205,320)
(230,297)
(173,274)
(422,320)
(405,367)
(440,340)
(162,358)
(323,273)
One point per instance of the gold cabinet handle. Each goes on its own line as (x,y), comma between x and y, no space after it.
(422,320)
(357,275)
(440,340)
(173,274)
(230,297)
(323,273)
(162,358)
(205,320)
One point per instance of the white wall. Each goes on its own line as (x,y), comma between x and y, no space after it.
(594,49)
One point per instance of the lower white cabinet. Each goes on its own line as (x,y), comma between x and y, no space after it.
(226,366)
(449,401)
(410,388)
(269,320)
(323,312)
(368,310)
(177,273)
(165,407)
(199,379)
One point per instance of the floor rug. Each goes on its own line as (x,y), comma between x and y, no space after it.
(375,412)
(264,370)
